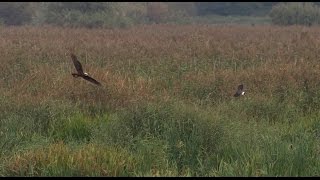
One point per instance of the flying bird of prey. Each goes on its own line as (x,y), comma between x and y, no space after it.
(239,91)
(80,73)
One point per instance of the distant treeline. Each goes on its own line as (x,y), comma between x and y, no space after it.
(234,8)
(123,14)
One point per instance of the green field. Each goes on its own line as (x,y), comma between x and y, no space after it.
(166,107)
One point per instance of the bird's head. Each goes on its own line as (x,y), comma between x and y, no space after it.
(243,93)
(86,74)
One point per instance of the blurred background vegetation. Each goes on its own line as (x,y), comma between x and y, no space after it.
(126,14)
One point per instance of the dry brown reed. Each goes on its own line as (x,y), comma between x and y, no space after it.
(154,62)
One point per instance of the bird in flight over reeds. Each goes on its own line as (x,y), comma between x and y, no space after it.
(240,91)
(80,73)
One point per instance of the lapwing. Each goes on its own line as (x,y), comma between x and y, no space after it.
(240,91)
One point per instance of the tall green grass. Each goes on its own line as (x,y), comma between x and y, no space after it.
(171,139)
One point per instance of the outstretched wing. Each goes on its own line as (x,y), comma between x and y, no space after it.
(240,87)
(237,94)
(77,64)
(88,78)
